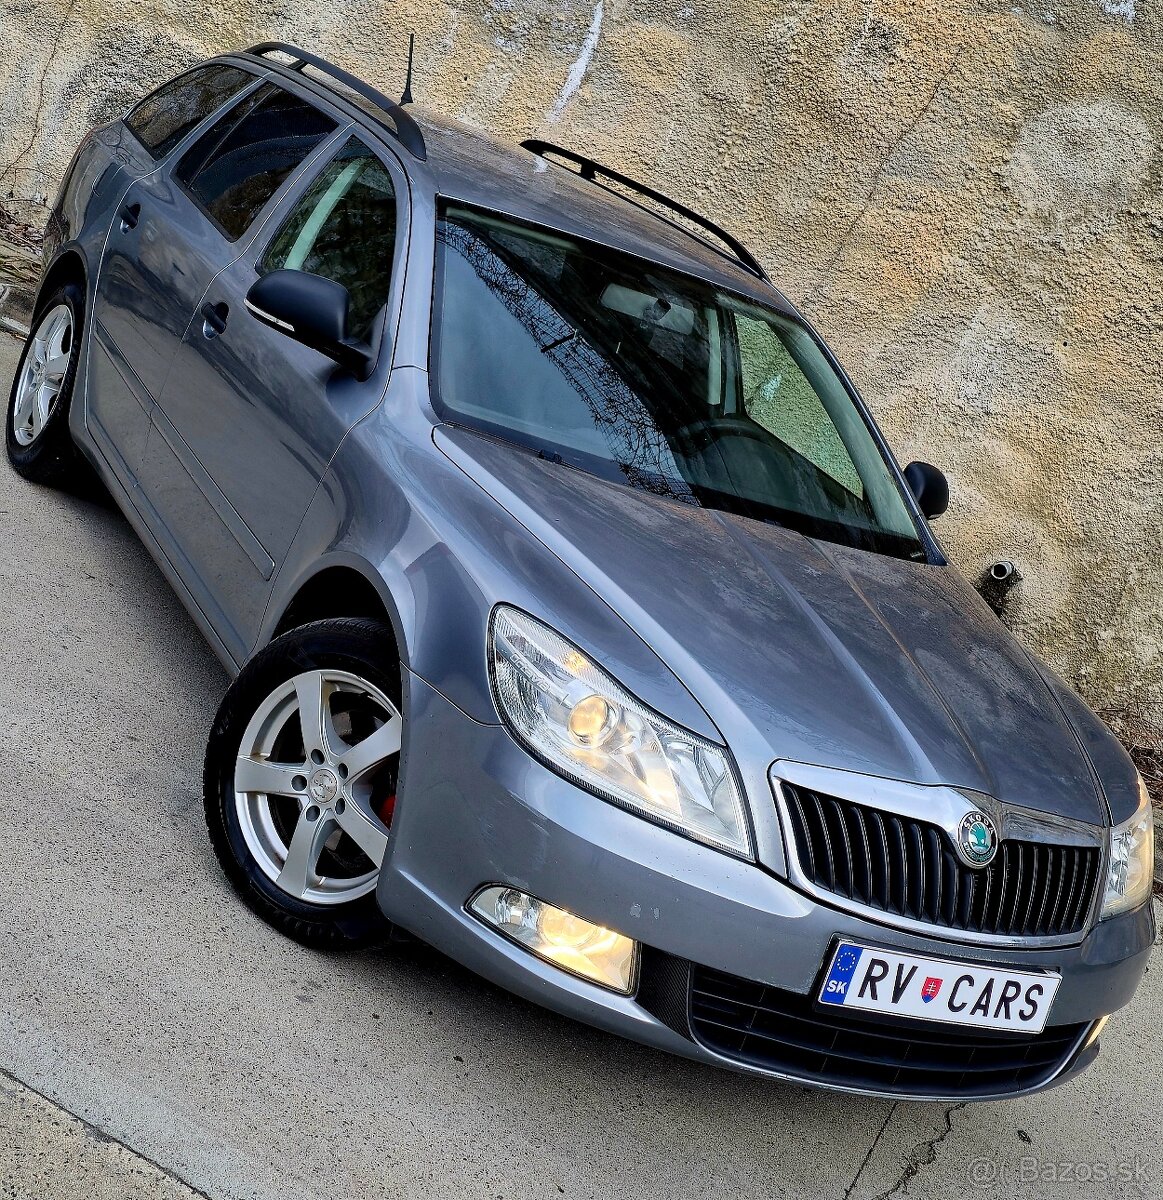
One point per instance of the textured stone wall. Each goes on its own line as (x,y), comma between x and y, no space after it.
(965,197)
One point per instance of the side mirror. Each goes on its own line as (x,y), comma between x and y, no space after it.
(930,487)
(311,310)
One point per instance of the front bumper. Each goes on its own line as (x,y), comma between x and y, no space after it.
(476,809)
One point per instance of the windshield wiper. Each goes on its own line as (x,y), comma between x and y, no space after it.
(560,342)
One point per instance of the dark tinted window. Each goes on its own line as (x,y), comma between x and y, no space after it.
(239,163)
(164,117)
(344,228)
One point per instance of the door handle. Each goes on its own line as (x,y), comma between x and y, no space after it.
(214,319)
(130,214)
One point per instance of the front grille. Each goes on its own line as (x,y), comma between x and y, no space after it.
(769,1028)
(910,868)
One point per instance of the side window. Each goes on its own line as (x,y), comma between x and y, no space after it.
(780,397)
(164,117)
(239,163)
(344,228)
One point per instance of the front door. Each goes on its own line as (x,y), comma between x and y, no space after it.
(249,418)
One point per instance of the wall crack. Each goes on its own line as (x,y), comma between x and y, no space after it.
(37,118)
(878,175)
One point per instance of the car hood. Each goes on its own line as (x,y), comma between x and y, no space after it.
(806,650)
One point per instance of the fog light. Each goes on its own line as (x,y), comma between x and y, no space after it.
(560,937)
(1096,1029)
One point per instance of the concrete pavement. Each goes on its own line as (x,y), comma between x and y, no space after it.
(138,995)
(46,1152)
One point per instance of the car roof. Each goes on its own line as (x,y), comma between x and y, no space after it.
(473,167)
(460,162)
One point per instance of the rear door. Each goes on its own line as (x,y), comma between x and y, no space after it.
(249,419)
(138,313)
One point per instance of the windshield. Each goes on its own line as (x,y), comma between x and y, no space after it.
(654,380)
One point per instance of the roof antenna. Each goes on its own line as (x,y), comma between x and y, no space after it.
(406,98)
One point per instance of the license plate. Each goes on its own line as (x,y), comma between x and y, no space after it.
(934,989)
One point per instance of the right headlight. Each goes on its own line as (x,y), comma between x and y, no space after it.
(580,721)
(1132,860)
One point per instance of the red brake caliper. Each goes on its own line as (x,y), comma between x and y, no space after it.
(388,809)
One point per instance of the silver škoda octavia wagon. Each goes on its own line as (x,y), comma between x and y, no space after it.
(582,623)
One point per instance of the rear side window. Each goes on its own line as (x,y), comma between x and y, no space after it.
(164,117)
(239,163)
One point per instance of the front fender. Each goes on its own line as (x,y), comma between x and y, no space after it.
(442,552)
(290,582)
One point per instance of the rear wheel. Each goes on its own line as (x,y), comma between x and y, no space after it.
(300,779)
(37,436)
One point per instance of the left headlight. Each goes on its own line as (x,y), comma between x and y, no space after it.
(1132,860)
(580,721)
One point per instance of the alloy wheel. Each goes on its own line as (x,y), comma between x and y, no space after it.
(43,374)
(316,767)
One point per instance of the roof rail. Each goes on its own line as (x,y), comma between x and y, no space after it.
(406,130)
(588,169)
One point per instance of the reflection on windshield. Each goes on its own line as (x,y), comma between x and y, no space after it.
(656,381)
(629,435)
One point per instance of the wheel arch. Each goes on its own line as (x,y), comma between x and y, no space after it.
(68,266)
(340,586)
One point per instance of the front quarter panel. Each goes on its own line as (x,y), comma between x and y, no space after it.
(445,552)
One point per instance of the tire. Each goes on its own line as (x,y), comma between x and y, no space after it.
(298,808)
(37,436)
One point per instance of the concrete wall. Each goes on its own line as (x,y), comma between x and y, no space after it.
(965,197)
